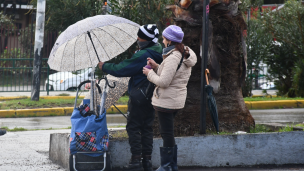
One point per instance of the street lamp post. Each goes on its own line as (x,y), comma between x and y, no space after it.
(204,55)
(39,33)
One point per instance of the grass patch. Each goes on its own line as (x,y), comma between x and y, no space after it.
(123,100)
(299,125)
(121,134)
(15,129)
(64,94)
(270,99)
(42,103)
(286,129)
(259,129)
(23,129)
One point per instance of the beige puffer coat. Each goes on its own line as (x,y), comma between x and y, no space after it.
(171,86)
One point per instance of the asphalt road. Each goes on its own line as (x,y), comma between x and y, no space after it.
(278,115)
(113,120)
(261,116)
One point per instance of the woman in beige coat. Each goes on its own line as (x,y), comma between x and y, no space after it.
(171,79)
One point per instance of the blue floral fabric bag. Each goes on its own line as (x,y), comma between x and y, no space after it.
(88,133)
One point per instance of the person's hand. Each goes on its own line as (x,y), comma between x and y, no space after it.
(146,70)
(100,64)
(152,63)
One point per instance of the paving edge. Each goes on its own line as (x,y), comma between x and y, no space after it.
(59,111)
(41,97)
(65,111)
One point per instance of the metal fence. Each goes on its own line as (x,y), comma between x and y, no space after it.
(16,62)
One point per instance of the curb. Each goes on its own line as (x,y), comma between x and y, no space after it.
(66,111)
(236,150)
(279,104)
(59,111)
(41,97)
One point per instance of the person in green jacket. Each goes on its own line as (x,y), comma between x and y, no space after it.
(140,116)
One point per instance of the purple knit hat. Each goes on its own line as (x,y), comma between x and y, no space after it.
(174,33)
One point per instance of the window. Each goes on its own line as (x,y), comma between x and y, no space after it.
(274,1)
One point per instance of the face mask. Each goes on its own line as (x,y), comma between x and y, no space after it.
(143,44)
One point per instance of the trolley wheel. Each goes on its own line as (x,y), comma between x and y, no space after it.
(108,162)
(71,162)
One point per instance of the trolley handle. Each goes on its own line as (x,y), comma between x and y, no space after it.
(88,81)
(107,82)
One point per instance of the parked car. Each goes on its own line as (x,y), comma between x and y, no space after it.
(67,80)
(268,85)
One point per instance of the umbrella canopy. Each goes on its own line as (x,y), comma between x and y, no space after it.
(104,35)
(113,94)
(211,103)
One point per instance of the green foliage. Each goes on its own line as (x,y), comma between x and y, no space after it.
(142,11)
(298,78)
(299,125)
(283,56)
(15,129)
(42,103)
(286,26)
(123,100)
(60,14)
(11,54)
(250,3)
(5,20)
(281,63)
(27,35)
(258,44)
(259,129)
(286,129)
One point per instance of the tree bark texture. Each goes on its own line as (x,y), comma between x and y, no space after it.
(227,59)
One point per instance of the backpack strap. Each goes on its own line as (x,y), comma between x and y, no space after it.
(181,61)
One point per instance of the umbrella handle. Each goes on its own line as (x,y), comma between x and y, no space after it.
(206,75)
(107,82)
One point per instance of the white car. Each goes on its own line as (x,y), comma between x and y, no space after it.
(67,80)
(268,85)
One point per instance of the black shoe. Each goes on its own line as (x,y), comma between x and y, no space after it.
(166,158)
(2,132)
(174,164)
(146,162)
(135,164)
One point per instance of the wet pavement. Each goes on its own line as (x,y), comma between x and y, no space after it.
(29,150)
(113,120)
(284,116)
(278,115)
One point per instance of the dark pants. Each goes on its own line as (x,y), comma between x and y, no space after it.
(166,122)
(139,128)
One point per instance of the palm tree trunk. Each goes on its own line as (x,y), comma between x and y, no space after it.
(227,64)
